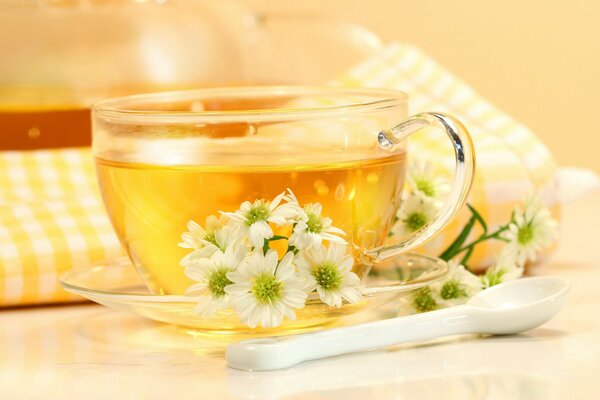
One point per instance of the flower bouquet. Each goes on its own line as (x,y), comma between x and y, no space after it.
(527,232)
(234,265)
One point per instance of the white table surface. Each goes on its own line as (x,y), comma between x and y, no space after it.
(89,352)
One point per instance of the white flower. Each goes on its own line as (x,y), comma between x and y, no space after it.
(253,218)
(198,237)
(219,239)
(329,271)
(458,287)
(415,213)
(529,231)
(422,180)
(211,275)
(504,269)
(312,229)
(264,291)
(290,197)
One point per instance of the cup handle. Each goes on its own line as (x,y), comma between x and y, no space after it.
(463,179)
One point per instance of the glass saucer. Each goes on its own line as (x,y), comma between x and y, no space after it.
(117,285)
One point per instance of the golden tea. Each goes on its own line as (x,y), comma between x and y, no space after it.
(164,159)
(150,204)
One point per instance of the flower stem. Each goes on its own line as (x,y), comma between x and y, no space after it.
(467,256)
(494,235)
(471,246)
(458,246)
(452,250)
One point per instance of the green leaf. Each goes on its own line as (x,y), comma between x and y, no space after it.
(292,249)
(455,246)
(467,256)
(277,237)
(479,218)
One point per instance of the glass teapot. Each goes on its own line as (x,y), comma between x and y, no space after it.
(57,57)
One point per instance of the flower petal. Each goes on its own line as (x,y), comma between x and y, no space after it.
(333,229)
(345,265)
(258,232)
(352,295)
(285,269)
(197,289)
(195,274)
(335,252)
(237,289)
(276,201)
(270,261)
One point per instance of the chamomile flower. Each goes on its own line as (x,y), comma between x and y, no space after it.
(198,237)
(422,300)
(415,213)
(313,228)
(458,287)
(529,231)
(253,218)
(219,239)
(328,270)
(505,268)
(264,290)
(422,180)
(211,275)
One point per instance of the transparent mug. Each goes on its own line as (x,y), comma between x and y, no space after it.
(167,158)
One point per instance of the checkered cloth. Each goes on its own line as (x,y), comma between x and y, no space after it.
(52,218)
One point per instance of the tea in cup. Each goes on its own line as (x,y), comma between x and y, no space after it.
(169,158)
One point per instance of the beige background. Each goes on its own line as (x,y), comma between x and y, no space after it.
(537,60)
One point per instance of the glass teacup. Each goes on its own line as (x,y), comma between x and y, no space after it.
(169,158)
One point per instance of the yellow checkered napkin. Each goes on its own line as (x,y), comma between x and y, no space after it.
(52,218)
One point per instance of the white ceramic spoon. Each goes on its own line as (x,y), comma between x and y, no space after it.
(508,308)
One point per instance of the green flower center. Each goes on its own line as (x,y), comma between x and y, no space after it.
(415,221)
(257,213)
(425,186)
(211,238)
(525,234)
(452,290)
(217,282)
(494,278)
(266,288)
(424,301)
(314,223)
(327,276)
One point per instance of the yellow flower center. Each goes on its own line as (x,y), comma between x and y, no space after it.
(415,221)
(426,186)
(525,234)
(314,223)
(266,288)
(327,276)
(217,282)
(257,213)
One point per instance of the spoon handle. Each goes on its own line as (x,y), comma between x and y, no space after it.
(286,351)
